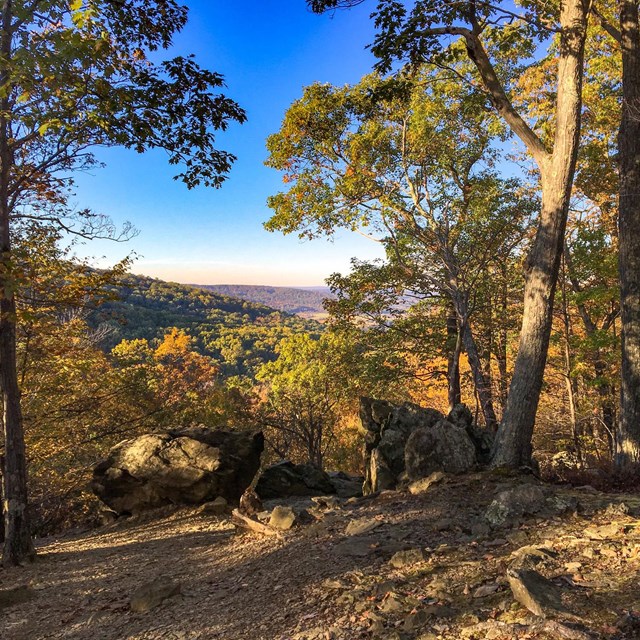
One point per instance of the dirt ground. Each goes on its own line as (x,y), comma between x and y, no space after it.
(316,582)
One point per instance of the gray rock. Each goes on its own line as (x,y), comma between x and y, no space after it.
(346,486)
(530,556)
(151,594)
(379,476)
(442,447)
(286,479)
(282,518)
(563,504)
(482,439)
(513,503)
(180,466)
(535,592)
(362,526)
(386,428)
(403,559)
(421,486)
(461,416)
(217,507)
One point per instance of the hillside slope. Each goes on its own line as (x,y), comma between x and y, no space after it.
(238,334)
(319,582)
(289,299)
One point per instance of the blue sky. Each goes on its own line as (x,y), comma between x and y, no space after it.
(268,51)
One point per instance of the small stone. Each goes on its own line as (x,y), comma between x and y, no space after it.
(417,620)
(217,507)
(282,518)
(407,558)
(422,485)
(572,567)
(617,509)
(362,526)
(444,524)
(391,604)
(327,502)
(535,592)
(151,594)
(486,590)
(510,504)
(605,532)
(385,587)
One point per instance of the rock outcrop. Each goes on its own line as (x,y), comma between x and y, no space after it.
(407,442)
(286,479)
(181,466)
(442,447)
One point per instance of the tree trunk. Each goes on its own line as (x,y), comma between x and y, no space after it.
(513,442)
(17,544)
(454,346)
(606,405)
(501,343)
(569,379)
(628,437)
(481,385)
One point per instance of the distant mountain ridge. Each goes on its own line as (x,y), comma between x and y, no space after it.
(238,334)
(300,301)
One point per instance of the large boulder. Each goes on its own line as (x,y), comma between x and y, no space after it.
(482,439)
(286,479)
(408,442)
(181,466)
(386,428)
(441,447)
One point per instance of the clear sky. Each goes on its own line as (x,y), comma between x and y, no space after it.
(268,50)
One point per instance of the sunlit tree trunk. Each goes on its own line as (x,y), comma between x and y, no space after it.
(501,342)
(628,436)
(513,442)
(482,386)
(570,382)
(454,346)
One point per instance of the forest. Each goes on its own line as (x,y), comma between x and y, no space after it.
(492,152)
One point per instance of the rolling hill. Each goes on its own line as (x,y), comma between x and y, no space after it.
(306,302)
(238,334)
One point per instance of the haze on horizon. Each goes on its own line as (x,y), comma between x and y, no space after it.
(205,236)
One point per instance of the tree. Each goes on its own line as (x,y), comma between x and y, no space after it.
(628,442)
(415,170)
(497,36)
(74,75)
(304,394)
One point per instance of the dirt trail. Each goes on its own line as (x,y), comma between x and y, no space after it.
(316,582)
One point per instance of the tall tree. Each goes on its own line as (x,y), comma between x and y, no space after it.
(495,36)
(74,75)
(628,36)
(413,169)
(628,440)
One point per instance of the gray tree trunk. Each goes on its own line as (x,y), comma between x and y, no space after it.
(628,437)
(453,364)
(513,442)
(482,386)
